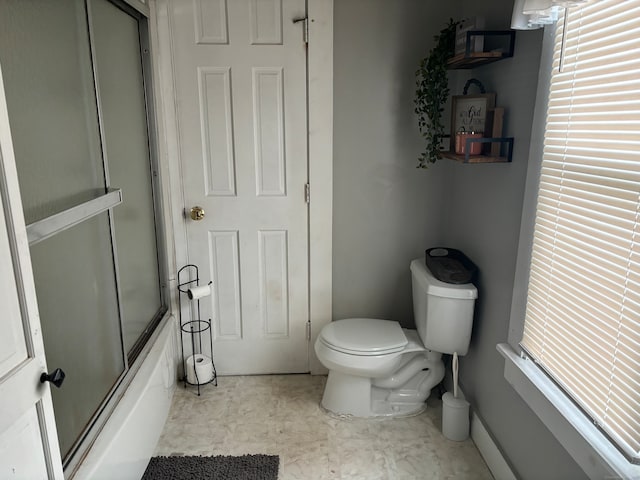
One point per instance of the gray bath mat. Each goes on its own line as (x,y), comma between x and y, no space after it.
(246,467)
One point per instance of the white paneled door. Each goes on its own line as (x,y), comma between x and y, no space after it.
(28,440)
(240,82)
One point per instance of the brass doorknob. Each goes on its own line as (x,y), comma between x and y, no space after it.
(197,213)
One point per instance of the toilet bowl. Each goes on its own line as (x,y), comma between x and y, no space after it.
(379,369)
(372,381)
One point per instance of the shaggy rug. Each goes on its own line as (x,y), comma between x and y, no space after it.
(246,467)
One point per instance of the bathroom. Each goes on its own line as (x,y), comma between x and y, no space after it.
(381,212)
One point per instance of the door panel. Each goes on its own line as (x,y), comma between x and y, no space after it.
(23,436)
(28,443)
(214,86)
(273,282)
(223,252)
(269,131)
(240,76)
(13,346)
(266,22)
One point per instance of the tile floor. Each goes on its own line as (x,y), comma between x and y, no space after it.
(281,415)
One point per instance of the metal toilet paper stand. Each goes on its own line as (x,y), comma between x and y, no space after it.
(196,328)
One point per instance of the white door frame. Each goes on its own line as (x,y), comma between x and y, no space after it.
(320,136)
(320,88)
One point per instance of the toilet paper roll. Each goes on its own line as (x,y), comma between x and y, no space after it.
(199,369)
(455,417)
(199,292)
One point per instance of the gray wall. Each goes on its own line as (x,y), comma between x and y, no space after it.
(483,219)
(387,212)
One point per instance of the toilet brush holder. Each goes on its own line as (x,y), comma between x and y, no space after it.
(455,417)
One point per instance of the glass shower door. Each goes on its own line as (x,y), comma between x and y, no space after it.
(77,300)
(120,80)
(46,61)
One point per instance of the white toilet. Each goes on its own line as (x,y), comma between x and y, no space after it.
(377,368)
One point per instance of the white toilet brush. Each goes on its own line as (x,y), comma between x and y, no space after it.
(455,410)
(454,367)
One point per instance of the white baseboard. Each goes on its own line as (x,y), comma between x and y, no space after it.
(495,461)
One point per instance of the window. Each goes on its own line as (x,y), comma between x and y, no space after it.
(582,322)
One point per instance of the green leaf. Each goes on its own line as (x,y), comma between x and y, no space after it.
(432,91)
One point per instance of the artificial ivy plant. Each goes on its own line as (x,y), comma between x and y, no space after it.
(432,91)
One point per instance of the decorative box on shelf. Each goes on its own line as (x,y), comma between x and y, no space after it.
(466,25)
(496,45)
(476,128)
(493,148)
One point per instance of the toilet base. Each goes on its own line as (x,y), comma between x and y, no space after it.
(353,395)
(383,406)
(347,394)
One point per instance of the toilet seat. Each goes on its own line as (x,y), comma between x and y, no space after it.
(364,336)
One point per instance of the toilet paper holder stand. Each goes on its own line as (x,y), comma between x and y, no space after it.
(196,328)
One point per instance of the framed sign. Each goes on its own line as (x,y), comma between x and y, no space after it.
(469,112)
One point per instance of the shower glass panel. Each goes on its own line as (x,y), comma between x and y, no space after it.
(75,284)
(46,63)
(76,95)
(124,119)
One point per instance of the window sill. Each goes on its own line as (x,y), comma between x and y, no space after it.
(582,440)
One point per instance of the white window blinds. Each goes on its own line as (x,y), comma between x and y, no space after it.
(583,312)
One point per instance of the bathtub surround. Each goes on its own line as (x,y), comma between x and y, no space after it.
(125,444)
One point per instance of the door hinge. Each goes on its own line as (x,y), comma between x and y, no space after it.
(306,30)
(309,330)
(307,193)
(305,27)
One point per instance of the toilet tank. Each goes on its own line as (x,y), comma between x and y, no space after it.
(443,311)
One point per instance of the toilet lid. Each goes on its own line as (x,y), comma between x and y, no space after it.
(364,336)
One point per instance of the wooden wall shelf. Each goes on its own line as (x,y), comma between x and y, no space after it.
(473,158)
(470,59)
(505,148)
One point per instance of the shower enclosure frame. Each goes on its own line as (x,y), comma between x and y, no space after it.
(52,225)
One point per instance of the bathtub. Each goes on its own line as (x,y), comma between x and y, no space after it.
(129,437)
